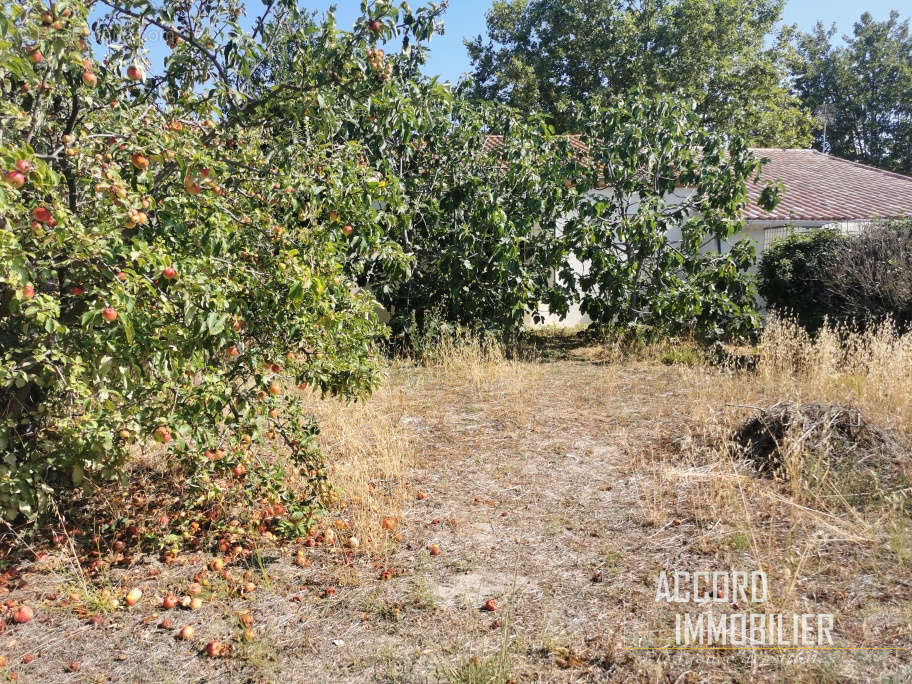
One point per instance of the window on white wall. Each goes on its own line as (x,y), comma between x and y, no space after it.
(770,235)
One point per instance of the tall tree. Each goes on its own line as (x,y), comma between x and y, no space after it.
(862,89)
(723,53)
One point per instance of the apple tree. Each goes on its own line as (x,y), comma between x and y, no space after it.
(177,243)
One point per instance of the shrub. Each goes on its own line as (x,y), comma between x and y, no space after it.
(859,280)
(793,275)
(871,277)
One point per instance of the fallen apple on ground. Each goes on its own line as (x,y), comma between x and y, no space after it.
(23,614)
(133,596)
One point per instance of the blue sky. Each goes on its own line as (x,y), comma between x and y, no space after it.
(465,18)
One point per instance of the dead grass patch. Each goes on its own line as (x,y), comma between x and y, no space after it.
(369,449)
(829,418)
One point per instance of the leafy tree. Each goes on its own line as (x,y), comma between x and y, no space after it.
(177,249)
(862,89)
(671,193)
(550,54)
(471,213)
(485,213)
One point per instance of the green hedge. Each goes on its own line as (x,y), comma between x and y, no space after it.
(824,274)
(793,275)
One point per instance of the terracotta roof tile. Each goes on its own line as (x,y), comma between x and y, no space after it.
(820,187)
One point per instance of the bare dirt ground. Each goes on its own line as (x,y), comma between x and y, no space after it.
(559,488)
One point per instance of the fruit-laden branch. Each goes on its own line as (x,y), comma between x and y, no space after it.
(223,75)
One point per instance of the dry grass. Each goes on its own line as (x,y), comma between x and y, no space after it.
(369,448)
(871,370)
(829,531)
(558,483)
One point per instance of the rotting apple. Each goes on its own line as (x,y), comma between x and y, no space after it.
(23,614)
(133,596)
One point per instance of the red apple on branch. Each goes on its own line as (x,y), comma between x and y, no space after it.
(191,186)
(42,215)
(14,178)
(162,434)
(109,314)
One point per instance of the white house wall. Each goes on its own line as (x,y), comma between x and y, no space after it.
(761,233)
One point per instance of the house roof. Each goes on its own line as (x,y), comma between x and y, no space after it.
(820,187)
